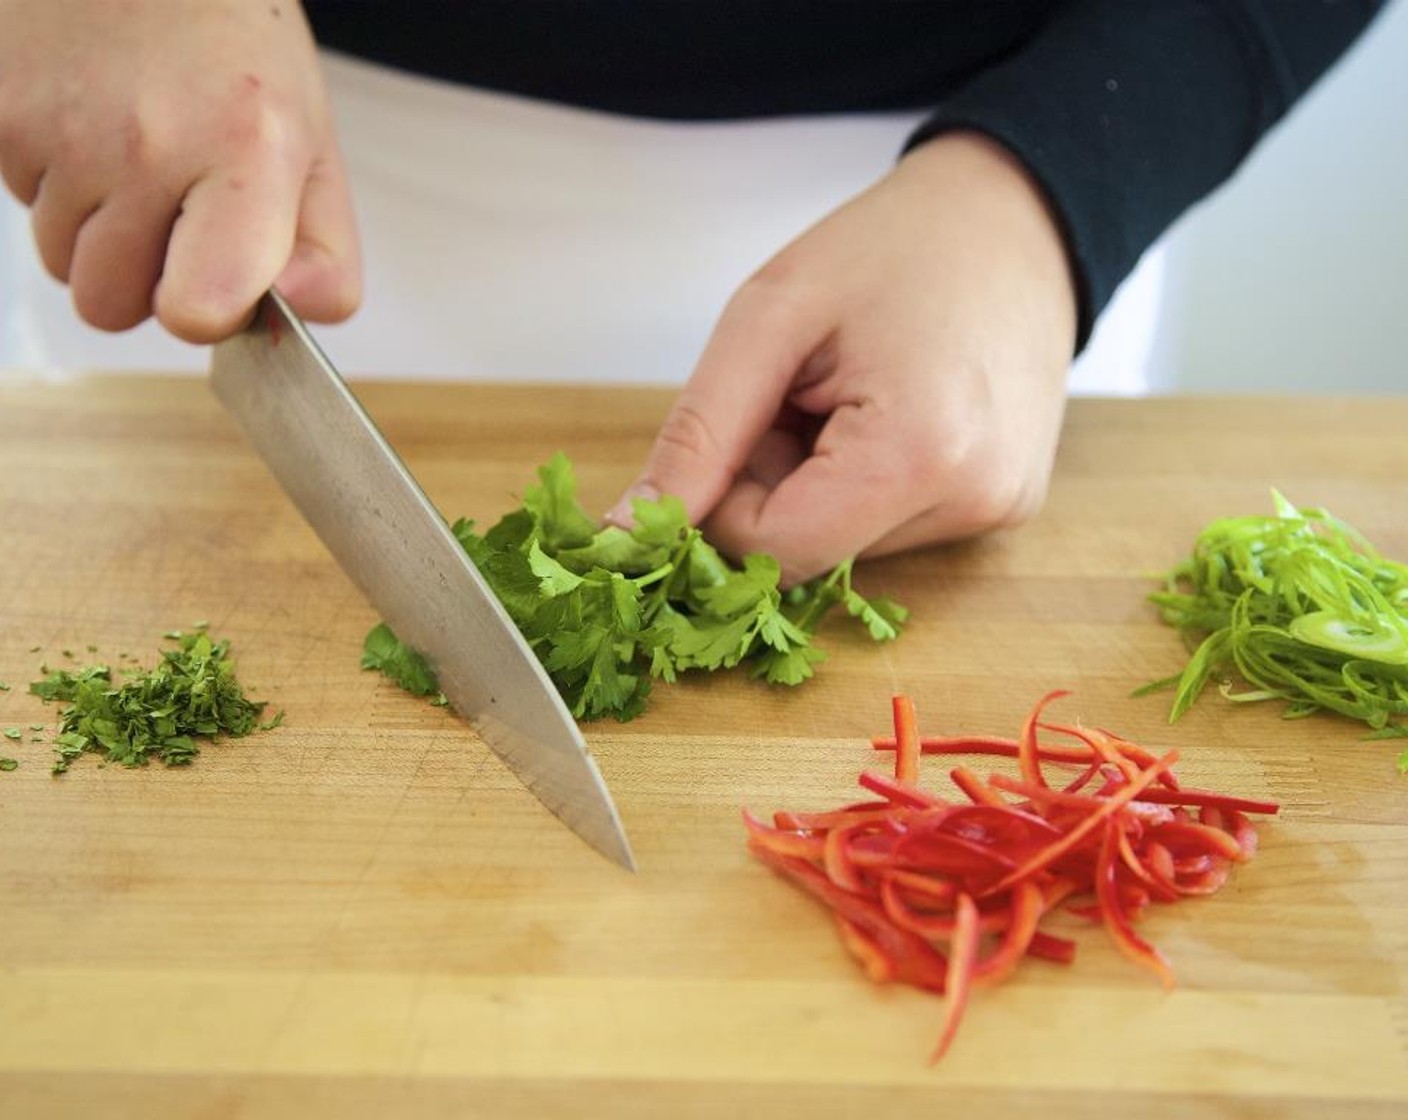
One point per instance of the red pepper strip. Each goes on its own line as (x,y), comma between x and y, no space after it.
(977,790)
(1084,778)
(1181,838)
(1097,742)
(836,859)
(986,744)
(1207,881)
(874,852)
(1116,921)
(937,892)
(1158,861)
(899,793)
(780,841)
(1010,828)
(946,854)
(872,958)
(1056,889)
(1193,865)
(963,956)
(932,926)
(1124,754)
(1147,814)
(907,740)
(1138,810)
(1108,808)
(1242,829)
(821,822)
(1028,760)
(1049,947)
(1134,898)
(1026,911)
(1045,796)
(1127,856)
(1003,822)
(1137,754)
(916,961)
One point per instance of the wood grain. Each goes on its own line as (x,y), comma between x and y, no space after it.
(363,914)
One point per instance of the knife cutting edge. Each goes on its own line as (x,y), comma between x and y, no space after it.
(351,486)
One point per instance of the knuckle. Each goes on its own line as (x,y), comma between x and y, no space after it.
(686,433)
(774,290)
(260,125)
(144,145)
(1001,496)
(965,464)
(1001,501)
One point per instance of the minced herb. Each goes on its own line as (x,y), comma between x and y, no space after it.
(13,733)
(8,763)
(191,694)
(609,610)
(1303,608)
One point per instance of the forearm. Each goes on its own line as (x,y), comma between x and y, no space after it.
(1127,113)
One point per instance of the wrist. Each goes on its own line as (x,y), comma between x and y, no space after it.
(972,170)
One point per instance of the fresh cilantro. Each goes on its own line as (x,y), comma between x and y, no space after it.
(160,713)
(4,686)
(13,733)
(610,610)
(8,763)
(402,664)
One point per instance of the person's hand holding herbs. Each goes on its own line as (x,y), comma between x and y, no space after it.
(893,378)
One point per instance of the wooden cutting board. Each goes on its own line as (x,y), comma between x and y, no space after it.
(363,914)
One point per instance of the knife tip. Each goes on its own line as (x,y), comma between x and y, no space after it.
(617,849)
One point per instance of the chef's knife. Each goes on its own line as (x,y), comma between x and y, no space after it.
(357,494)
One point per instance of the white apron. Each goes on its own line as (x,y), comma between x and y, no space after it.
(512,239)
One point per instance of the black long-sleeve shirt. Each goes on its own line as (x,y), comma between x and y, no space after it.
(1125,111)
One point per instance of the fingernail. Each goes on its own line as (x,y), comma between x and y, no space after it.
(621,514)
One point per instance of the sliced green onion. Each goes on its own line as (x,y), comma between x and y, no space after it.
(1301,607)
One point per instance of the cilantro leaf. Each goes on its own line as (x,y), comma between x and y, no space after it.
(608,610)
(382,650)
(562,522)
(191,693)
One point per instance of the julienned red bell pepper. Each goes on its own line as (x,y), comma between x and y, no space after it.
(947,894)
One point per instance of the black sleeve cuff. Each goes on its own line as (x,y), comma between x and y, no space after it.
(1126,112)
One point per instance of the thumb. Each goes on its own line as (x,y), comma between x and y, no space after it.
(323,277)
(764,336)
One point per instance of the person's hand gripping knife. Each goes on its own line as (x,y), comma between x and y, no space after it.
(178,159)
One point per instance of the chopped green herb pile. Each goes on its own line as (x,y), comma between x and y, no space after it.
(609,610)
(1303,607)
(154,713)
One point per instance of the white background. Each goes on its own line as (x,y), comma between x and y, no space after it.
(509,239)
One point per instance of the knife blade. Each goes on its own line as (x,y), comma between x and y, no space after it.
(350,485)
